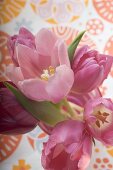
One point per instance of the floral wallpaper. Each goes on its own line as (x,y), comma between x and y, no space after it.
(66,18)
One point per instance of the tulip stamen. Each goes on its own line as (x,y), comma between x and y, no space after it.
(51,70)
(47,73)
(101,118)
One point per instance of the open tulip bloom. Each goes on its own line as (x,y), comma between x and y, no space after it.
(57,88)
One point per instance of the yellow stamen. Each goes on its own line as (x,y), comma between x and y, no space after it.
(48,73)
(51,70)
(43,77)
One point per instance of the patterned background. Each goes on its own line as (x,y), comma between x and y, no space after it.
(66,18)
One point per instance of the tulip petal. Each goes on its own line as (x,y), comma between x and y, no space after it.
(82,99)
(13,118)
(108,65)
(14,73)
(34,89)
(88,78)
(79,54)
(86,157)
(26,33)
(107,137)
(45,41)
(60,54)
(65,146)
(60,84)
(28,61)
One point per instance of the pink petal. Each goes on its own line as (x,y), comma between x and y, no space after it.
(81,51)
(82,99)
(34,89)
(28,61)
(58,149)
(88,78)
(14,73)
(26,33)
(60,84)
(54,154)
(87,150)
(108,65)
(45,41)
(75,150)
(60,54)
(107,137)
(44,62)
(67,133)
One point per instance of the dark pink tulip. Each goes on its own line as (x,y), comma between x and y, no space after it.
(25,37)
(90,69)
(99,119)
(69,147)
(13,118)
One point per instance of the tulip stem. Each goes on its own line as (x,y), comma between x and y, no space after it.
(77,107)
(72,112)
(69,108)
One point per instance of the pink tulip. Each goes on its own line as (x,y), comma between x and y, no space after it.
(25,37)
(99,119)
(44,72)
(90,69)
(69,147)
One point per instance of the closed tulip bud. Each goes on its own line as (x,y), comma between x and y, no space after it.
(90,69)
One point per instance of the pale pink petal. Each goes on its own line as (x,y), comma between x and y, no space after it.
(60,54)
(86,156)
(60,84)
(45,41)
(109,62)
(44,62)
(28,61)
(14,73)
(34,89)
(75,150)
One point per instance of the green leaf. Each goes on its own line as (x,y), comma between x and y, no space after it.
(72,47)
(44,111)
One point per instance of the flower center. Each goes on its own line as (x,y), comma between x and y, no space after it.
(48,73)
(101,118)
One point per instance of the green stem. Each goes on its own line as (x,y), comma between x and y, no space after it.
(69,108)
(72,112)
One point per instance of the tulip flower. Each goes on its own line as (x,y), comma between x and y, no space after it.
(25,37)
(69,147)
(14,119)
(98,115)
(90,69)
(42,71)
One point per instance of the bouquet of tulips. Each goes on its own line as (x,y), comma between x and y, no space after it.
(57,88)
